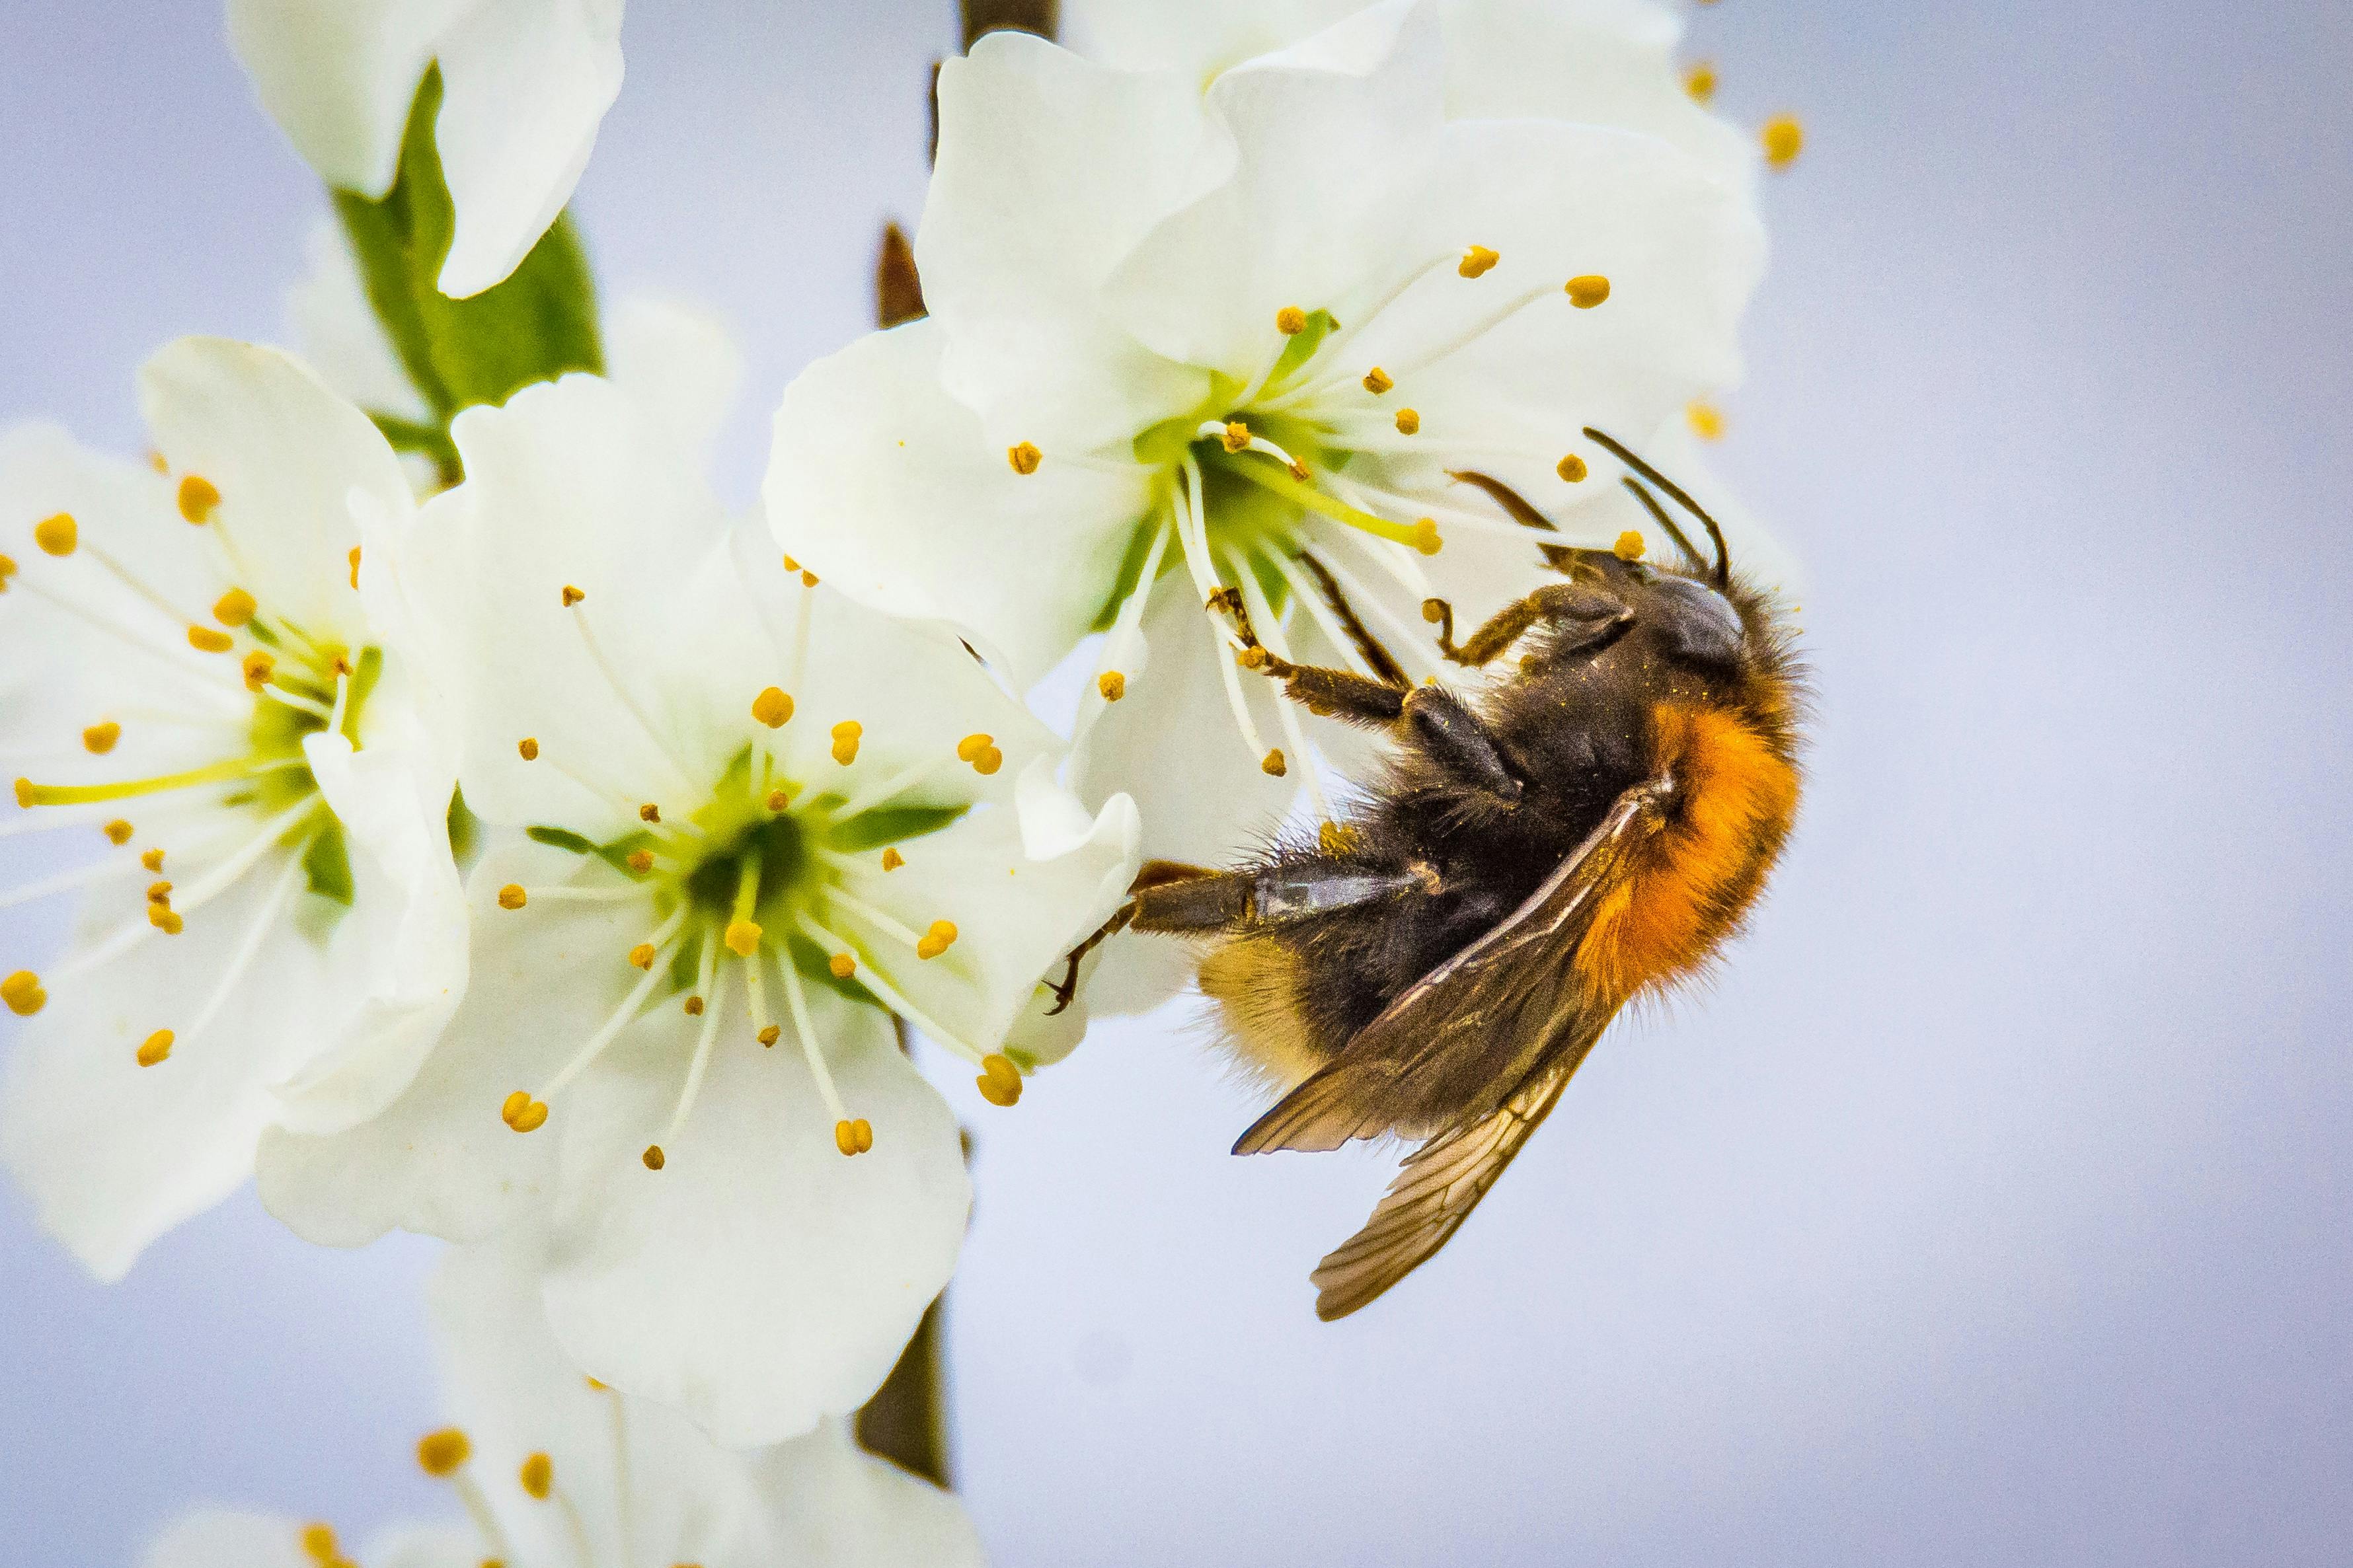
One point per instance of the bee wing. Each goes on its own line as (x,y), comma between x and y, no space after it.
(1497,1014)
(1431,1197)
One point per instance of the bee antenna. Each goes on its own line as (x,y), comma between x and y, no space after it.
(1682,495)
(1659,515)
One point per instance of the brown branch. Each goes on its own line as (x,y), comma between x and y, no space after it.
(1039,16)
(906,1422)
(898,293)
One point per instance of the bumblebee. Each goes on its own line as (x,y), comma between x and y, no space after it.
(1591,830)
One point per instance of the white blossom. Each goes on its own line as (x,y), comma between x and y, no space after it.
(1249,339)
(552,1471)
(763,819)
(274,932)
(524,85)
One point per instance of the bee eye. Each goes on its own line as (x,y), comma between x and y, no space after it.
(1698,623)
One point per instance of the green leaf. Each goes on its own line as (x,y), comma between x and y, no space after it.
(465,829)
(327,864)
(538,324)
(615,854)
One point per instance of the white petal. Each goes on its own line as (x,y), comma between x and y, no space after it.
(526,83)
(217,1538)
(1328,146)
(759,1280)
(1015,915)
(1050,169)
(336,328)
(888,489)
(1172,744)
(393,803)
(423,1546)
(1199,39)
(285,453)
(512,1390)
(837,1506)
(113,1154)
(681,363)
(338,76)
(571,485)
(438,1160)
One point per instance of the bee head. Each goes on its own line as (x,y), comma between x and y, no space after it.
(1681,613)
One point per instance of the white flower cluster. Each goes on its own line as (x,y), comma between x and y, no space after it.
(498,839)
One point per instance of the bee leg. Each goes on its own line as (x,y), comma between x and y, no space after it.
(1153,877)
(1599,616)
(1331,693)
(1454,737)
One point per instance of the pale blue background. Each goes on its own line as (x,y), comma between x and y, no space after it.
(1993,1208)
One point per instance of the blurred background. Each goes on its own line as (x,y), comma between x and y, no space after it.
(1993,1207)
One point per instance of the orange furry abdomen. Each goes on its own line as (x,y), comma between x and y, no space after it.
(1686,888)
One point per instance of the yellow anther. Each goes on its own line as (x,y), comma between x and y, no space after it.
(1377,380)
(650,812)
(98,739)
(1237,437)
(1334,839)
(1629,546)
(1111,684)
(1425,536)
(8,570)
(768,1034)
(234,608)
(153,859)
(1784,139)
(845,1137)
(28,792)
(572,595)
(1249,657)
(780,798)
(640,861)
(258,668)
(972,746)
(23,994)
(893,859)
(158,892)
(530,1118)
(845,741)
(694,1006)
(1409,421)
(354,558)
(653,1162)
(318,1543)
(988,762)
(743,938)
(119,832)
(936,941)
(198,496)
(165,918)
(155,1048)
(809,579)
(1706,421)
(528,749)
(841,965)
(999,1081)
(642,955)
(441,1453)
(208,639)
(791,564)
(1272,764)
(1291,320)
(772,706)
(516,1104)
(1572,469)
(1023,455)
(1588,289)
(1700,82)
(538,1472)
(512,896)
(58,535)
(1477,262)
(1298,469)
